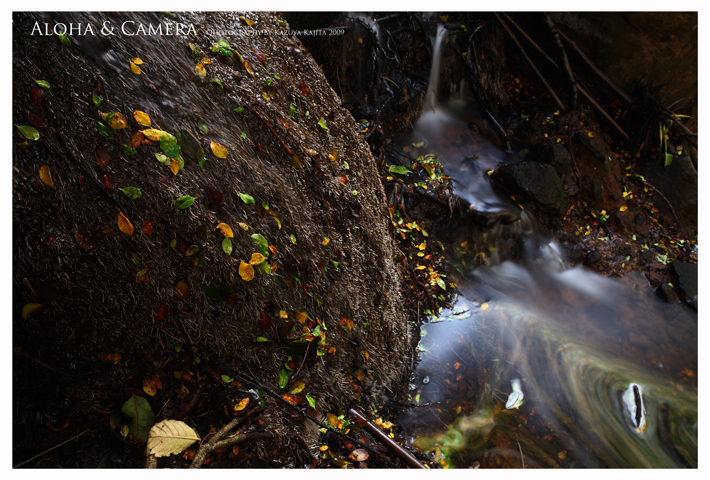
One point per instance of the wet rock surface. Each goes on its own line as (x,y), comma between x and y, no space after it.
(687,274)
(534,181)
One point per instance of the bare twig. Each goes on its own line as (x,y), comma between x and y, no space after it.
(50,449)
(565,60)
(522,459)
(269,126)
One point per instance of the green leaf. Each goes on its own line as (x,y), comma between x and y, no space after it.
(184,202)
(399,169)
(139,411)
(192,250)
(345,165)
(128,150)
(217,81)
(292,110)
(243,134)
(441,283)
(262,339)
(227,245)
(276,76)
(202,127)
(30,133)
(132,192)
(201,158)
(140,276)
(162,158)
(105,131)
(227,378)
(246,198)
(265,268)
(29,308)
(669,159)
(311,401)
(322,124)
(170,147)
(283,379)
(96,100)
(239,109)
(42,83)
(64,39)
(335,263)
(261,243)
(293,239)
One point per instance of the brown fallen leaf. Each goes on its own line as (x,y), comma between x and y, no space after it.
(124,224)
(45,175)
(182,290)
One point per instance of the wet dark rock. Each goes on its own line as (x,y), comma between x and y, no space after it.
(527,129)
(598,191)
(592,258)
(574,252)
(688,282)
(666,293)
(646,257)
(555,154)
(639,218)
(533,181)
(596,146)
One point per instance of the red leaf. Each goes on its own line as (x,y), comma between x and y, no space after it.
(85,242)
(147,228)
(36,96)
(104,179)
(136,140)
(161,313)
(215,197)
(264,321)
(37,120)
(102,155)
(258,54)
(80,181)
(306,91)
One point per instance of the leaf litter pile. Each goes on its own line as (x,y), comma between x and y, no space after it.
(195,190)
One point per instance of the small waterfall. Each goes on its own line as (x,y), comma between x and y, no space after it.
(430,99)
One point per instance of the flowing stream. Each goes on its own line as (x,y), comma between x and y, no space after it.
(605,371)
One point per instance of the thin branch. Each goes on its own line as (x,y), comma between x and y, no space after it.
(565,60)
(269,126)
(50,449)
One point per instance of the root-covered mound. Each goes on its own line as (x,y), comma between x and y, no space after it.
(296,174)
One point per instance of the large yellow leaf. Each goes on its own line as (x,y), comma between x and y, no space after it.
(225,229)
(301,317)
(246,271)
(142,118)
(218,150)
(200,69)
(170,437)
(117,121)
(335,421)
(45,175)
(241,405)
(124,224)
(256,259)
(135,68)
(174,166)
(153,134)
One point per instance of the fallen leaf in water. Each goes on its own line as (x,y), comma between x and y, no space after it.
(256,259)
(246,271)
(218,150)
(297,388)
(225,229)
(142,118)
(124,224)
(264,321)
(182,290)
(155,135)
(243,226)
(149,387)
(85,242)
(45,175)
(137,140)
(36,120)
(115,120)
(29,308)
(241,405)
(135,68)
(184,202)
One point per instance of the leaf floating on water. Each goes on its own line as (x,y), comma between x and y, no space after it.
(104,131)
(64,40)
(45,175)
(227,246)
(156,135)
(296,161)
(115,120)
(305,89)
(138,409)
(218,150)
(261,243)
(43,83)
(399,169)
(29,308)
(124,224)
(182,290)
(29,132)
(246,198)
(184,202)
(246,271)
(297,388)
(142,118)
(170,437)
(256,259)
(225,229)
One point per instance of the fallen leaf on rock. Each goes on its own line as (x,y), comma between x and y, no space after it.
(137,140)
(227,246)
(170,437)
(141,275)
(45,175)
(243,226)
(115,120)
(36,120)
(297,388)
(135,68)
(161,312)
(124,224)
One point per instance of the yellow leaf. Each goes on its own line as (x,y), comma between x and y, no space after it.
(170,437)
(297,388)
(174,166)
(142,118)
(117,121)
(301,317)
(149,387)
(326,241)
(137,61)
(206,61)
(200,69)
(256,259)
(135,68)
(246,65)
(246,271)
(225,229)
(45,175)
(243,226)
(153,134)
(29,308)
(283,314)
(484,306)
(241,405)
(623,209)
(335,421)
(124,225)
(218,150)
(266,96)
